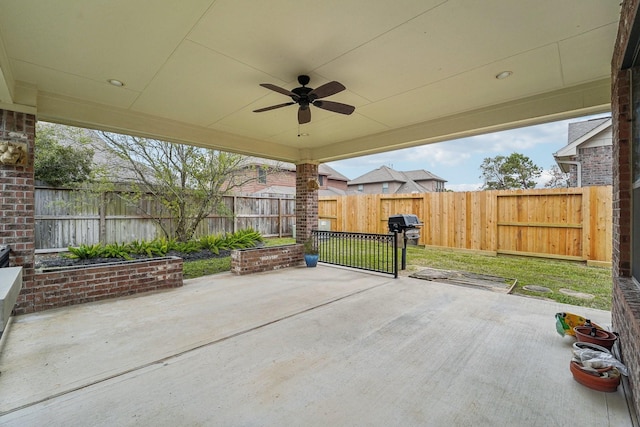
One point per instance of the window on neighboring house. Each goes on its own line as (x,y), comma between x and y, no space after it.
(360,188)
(385,187)
(321,180)
(262,175)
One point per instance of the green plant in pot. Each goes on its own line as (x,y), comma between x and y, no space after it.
(310,252)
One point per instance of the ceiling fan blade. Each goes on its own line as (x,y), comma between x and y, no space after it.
(304,115)
(336,107)
(326,89)
(273,107)
(278,89)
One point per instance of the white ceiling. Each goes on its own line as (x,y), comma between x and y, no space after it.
(417,71)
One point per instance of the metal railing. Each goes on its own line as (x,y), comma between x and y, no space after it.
(364,251)
(4,256)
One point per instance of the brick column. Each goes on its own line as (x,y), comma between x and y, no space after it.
(622,179)
(625,307)
(17,223)
(306,201)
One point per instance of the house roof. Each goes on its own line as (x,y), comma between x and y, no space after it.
(577,130)
(578,134)
(387,174)
(323,169)
(423,175)
(382,174)
(421,73)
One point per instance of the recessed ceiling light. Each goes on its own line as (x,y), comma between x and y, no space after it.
(116,82)
(503,75)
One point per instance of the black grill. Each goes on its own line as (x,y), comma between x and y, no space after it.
(407,226)
(404,222)
(4,256)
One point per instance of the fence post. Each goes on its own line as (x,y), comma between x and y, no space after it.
(235,217)
(102,211)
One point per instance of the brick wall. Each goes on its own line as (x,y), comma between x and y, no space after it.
(17,223)
(306,201)
(61,288)
(274,178)
(257,260)
(625,310)
(596,165)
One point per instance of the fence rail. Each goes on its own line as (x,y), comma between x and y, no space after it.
(572,224)
(65,217)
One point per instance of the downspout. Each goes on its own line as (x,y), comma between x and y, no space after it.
(578,172)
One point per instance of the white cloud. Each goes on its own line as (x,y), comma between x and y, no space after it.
(464,187)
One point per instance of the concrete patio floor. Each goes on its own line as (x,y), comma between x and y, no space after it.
(300,347)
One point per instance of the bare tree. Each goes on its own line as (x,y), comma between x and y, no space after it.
(189,182)
(558,179)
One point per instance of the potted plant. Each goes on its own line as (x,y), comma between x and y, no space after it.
(310,252)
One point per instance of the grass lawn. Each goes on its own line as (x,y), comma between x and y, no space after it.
(205,267)
(553,274)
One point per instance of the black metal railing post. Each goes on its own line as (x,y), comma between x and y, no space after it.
(395,254)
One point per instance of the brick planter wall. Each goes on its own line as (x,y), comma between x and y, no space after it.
(257,260)
(65,287)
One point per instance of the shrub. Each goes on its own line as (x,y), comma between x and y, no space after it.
(85,251)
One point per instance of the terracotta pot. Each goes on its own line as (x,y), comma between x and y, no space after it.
(579,345)
(595,380)
(602,337)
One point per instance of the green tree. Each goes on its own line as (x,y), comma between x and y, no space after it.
(189,182)
(62,156)
(512,172)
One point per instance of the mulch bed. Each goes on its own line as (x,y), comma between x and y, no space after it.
(55,261)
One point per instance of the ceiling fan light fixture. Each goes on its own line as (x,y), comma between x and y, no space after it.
(503,75)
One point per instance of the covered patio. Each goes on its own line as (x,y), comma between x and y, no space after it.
(313,347)
(417,72)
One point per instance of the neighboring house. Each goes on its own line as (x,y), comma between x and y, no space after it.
(272,177)
(390,181)
(588,155)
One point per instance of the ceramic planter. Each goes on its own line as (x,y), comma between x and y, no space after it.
(604,380)
(595,336)
(311,260)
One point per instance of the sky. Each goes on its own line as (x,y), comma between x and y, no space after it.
(458,161)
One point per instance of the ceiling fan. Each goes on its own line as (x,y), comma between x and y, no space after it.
(306,96)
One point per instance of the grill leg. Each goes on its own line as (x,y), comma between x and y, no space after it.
(404,252)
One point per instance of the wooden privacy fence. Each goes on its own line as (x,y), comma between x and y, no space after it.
(569,223)
(66,217)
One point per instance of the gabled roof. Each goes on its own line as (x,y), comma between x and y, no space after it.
(411,187)
(386,174)
(423,175)
(382,174)
(578,134)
